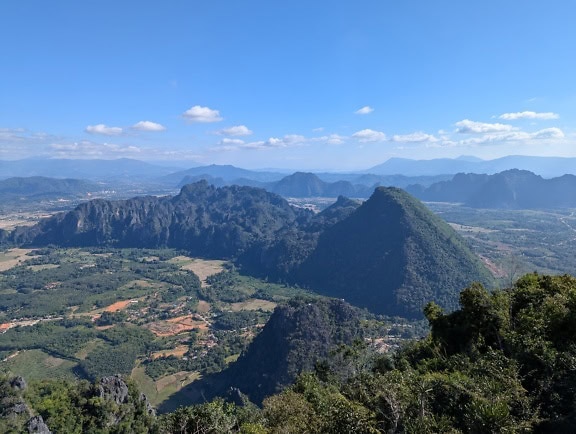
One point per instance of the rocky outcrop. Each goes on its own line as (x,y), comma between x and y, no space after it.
(18,383)
(113,388)
(36,425)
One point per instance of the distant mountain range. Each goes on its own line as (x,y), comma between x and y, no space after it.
(511,189)
(396,172)
(547,167)
(389,254)
(301,184)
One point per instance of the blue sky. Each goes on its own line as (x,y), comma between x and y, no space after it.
(316,85)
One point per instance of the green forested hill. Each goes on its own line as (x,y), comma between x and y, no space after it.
(299,334)
(392,255)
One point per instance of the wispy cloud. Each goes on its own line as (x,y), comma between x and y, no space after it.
(366,110)
(515,136)
(331,139)
(148,126)
(238,130)
(104,130)
(199,114)
(528,115)
(470,127)
(369,136)
(416,137)
(90,149)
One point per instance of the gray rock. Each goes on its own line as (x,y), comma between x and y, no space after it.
(19,408)
(18,383)
(113,388)
(36,425)
(149,408)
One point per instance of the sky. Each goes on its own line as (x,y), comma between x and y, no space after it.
(307,85)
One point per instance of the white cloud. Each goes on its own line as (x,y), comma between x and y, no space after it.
(414,137)
(318,130)
(332,139)
(148,126)
(528,115)
(516,136)
(366,110)
(368,135)
(104,130)
(549,133)
(470,127)
(238,130)
(89,149)
(277,143)
(199,114)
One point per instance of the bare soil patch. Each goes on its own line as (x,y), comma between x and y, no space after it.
(119,305)
(178,352)
(175,326)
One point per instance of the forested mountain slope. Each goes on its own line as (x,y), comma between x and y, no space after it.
(392,255)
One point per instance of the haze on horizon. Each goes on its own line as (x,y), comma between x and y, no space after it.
(321,85)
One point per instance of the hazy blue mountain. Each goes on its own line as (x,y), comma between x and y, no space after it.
(302,184)
(547,167)
(226,172)
(42,188)
(511,189)
(106,170)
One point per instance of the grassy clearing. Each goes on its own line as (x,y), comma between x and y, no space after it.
(88,348)
(253,304)
(159,391)
(13,257)
(42,267)
(203,268)
(37,365)
(203,307)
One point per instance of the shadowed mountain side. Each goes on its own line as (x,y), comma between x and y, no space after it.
(392,255)
(296,336)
